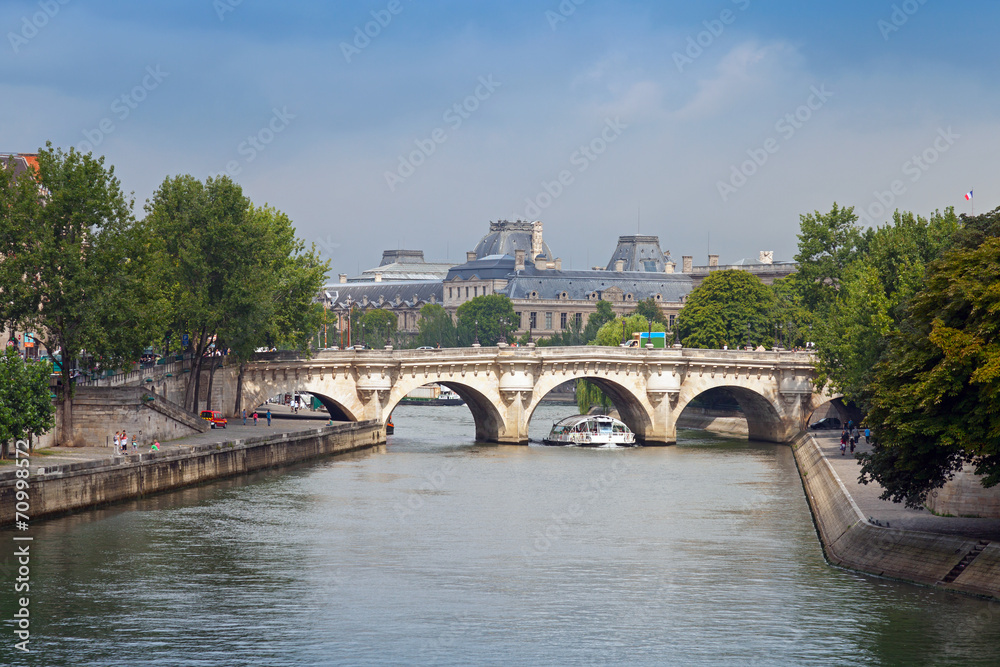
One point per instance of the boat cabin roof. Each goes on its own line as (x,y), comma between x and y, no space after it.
(569,422)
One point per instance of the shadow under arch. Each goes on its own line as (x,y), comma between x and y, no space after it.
(631,411)
(844,412)
(338,412)
(763,419)
(487,418)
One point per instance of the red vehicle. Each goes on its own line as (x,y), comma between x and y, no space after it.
(214,417)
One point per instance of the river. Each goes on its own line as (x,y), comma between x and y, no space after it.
(437,550)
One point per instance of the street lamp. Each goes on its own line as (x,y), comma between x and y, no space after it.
(476,341)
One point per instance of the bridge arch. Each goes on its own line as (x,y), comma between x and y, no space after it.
(633,409)
(763,414)
(488,420)
(340,408)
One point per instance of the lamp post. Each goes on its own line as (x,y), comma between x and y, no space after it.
(475,343)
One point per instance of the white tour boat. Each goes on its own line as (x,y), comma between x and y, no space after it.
(590,431)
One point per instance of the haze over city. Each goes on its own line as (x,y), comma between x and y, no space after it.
(402,124)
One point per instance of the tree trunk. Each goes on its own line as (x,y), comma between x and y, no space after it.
(67,438)
(211,381)
(238,408)
(191,402)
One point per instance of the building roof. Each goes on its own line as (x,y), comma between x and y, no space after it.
(22,161)
(491,267)
(394,294)
(405,271)
(593,285)
(506,236)
(639,253)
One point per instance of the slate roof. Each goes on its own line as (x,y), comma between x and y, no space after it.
(491,267)
(505,237)
(640,253)
(405,271)
(579,285)
(412,294)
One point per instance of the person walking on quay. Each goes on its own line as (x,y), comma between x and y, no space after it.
(117,441)
(843,441)
(135,443)
(269,416)
(254,417)
(868,436)
(244,416)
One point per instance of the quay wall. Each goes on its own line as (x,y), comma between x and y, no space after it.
(60,489)
(850,541)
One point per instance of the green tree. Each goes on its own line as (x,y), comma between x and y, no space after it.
(827,243)
(597,319)
(377,326)
(934,396)
(25,407)
(435,326)
(491,317)
(649,309)
(620,329)
(725,309)
(588,395)
(77,265)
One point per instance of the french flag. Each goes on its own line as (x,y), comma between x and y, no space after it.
(968,196)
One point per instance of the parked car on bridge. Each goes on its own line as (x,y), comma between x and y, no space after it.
(825,423)
(215,418)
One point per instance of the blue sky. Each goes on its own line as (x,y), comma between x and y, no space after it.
(713,125)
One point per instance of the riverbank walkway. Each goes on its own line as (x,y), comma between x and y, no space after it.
(896,515)
(286,423)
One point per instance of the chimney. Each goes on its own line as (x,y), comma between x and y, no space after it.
(558,264)
(713,260)
(668,267)
(767,257)
(378,276)
(470,256)
(342,278)
(619,265)
(687,262)
(536,239)
(519,260)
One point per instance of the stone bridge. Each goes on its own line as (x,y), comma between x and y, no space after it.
(503,385)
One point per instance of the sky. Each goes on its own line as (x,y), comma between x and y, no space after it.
(413,123)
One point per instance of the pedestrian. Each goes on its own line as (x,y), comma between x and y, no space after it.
(244,416)
(124,442)
(135,444)
(843,447)
(868,435)
(269,416)
(254,417)
(155,447)
(852,445)
(117,440)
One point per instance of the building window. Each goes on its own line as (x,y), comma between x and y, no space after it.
(579,319)
(671,321)
(520,322)
(533,320)
(562,320)
(548,321)
(466,292)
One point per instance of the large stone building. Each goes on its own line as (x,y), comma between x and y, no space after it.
(514,260)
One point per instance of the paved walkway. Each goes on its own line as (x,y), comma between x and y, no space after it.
(896,515)
(54,456)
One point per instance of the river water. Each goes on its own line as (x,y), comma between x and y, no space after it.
(437,550)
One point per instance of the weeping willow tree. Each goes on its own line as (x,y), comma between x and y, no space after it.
(588,395)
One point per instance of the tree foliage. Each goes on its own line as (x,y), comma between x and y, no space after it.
(826,246)
(77,266)
(491,317)
(435,327)
(25,407)
(597,319)
(934,395)
(620,329)
(377,327)
(649,309)
(727,308)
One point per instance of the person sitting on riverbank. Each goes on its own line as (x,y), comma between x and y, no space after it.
(155,447)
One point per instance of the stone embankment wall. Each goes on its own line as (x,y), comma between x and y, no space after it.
(849,540)
(715,421)
(89,484)
(100,411)
(965,496)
